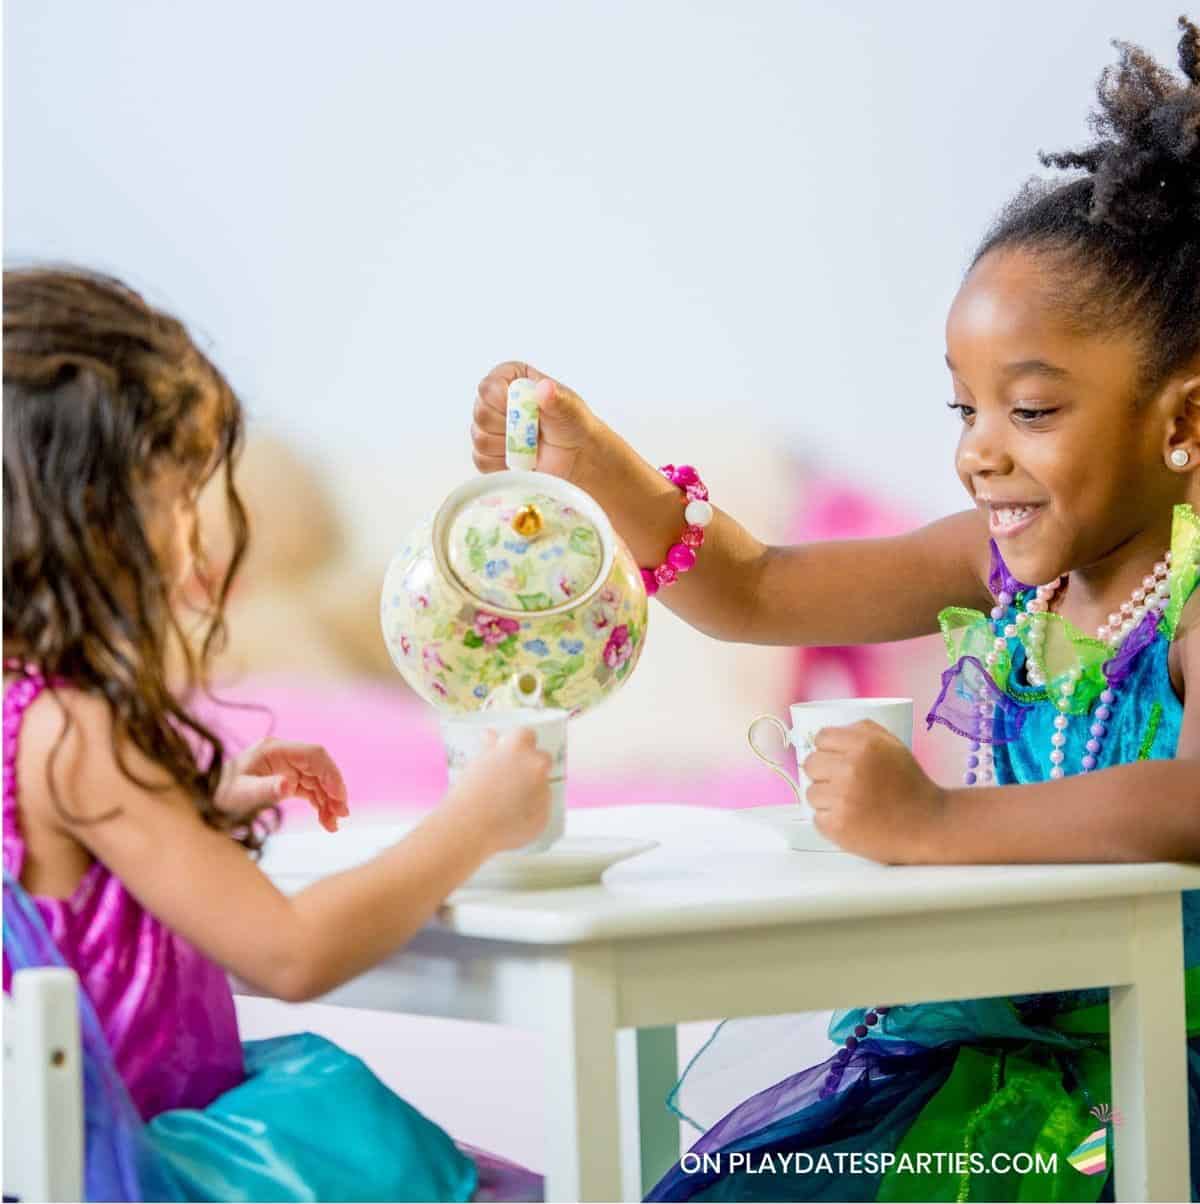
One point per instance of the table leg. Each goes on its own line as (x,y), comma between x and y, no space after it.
(648,1060)
(1149,1061)
(583,1145)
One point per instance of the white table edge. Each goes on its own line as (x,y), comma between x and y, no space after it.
(584,914)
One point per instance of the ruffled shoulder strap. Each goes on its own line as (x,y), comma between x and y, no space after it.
(1185,566)
(18,696)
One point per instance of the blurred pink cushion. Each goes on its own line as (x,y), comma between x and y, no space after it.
(387,745)
(831,508)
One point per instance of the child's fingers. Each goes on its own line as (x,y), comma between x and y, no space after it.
(487,445)
(493,389)
(491,403)
(276,756)
(821,766)
(556,400)
(838,739)
(491,398)
(821,797)
(491,411)
(332,781)
(249,792)
(310,762)
(316,790)
(326,815)
(520,738)
(335,804)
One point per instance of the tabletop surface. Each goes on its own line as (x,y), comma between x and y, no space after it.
(716,869)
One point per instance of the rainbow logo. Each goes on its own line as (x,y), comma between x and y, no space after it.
(1090,1157)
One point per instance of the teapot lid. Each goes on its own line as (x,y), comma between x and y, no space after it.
(524,543)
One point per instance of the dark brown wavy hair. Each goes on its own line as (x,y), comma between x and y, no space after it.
(102,394)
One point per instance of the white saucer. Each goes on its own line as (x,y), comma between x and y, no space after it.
(571,861)
(794,826)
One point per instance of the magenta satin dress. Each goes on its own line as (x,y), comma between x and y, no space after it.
(166,1010)
(286,1118)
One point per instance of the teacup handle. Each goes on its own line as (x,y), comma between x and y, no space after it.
(521,432)
(771,763)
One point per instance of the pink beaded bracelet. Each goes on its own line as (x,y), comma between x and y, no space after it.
(697,514)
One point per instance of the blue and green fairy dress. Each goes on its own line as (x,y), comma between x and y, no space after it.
(1017,1074)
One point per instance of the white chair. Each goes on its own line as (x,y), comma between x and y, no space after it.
(43,1087)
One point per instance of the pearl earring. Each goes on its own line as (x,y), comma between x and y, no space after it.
(1180,457)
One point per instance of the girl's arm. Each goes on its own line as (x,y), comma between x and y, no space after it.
(1143,811)
(835,592)
(206,888)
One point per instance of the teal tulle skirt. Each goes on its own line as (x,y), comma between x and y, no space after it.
(310,1122)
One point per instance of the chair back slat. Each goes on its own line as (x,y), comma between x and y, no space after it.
(43,1087)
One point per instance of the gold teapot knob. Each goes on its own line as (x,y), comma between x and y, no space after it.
(528,522)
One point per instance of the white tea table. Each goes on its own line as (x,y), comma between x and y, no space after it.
(724,920)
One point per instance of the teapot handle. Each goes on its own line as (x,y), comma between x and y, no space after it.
(521,442)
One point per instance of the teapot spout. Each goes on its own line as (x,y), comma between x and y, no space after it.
(523,689)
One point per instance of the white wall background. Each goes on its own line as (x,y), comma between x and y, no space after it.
(710,208)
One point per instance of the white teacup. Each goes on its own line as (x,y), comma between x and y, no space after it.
(894,714)
(464,738)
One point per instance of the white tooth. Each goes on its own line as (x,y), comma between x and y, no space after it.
(1015,513)
(1010,515)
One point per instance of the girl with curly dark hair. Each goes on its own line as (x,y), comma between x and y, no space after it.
(129,836)
(1074,351)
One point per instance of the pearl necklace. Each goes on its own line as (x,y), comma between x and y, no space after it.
(1150,597)
(1153,594)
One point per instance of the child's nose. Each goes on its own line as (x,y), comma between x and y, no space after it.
(983,450)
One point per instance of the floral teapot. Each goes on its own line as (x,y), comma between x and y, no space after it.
(517,592)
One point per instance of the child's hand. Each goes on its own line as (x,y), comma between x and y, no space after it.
(269,772)
(567,426)
(506,789)
(869,794)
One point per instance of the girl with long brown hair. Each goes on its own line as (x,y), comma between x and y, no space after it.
(129,835)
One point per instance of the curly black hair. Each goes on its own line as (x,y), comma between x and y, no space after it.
(1124,239)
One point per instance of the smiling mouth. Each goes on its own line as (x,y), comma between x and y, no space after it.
(1012,518)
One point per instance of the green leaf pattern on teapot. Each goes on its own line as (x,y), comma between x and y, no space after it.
(455,651)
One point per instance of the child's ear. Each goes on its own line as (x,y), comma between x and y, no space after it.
(1185,417)
(1191,398)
